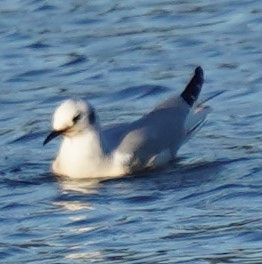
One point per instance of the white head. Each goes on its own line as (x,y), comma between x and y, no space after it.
(72,117)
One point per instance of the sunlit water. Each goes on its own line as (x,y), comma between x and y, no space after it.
(122,56)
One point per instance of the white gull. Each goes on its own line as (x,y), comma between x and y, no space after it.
(88,151)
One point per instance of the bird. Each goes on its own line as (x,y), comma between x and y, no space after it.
(88,150)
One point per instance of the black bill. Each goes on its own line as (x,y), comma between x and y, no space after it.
(52,135)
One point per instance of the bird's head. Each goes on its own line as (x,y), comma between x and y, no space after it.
(71,118)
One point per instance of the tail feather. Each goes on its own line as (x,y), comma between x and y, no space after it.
(196,120)
(210,97)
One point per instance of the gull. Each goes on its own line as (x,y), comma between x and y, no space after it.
(89,151)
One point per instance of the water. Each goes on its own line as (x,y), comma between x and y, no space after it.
(121,56)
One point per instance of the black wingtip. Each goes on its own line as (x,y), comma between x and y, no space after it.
(199,71)
(192,90)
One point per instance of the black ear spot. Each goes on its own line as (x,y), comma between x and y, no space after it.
(77,118)
(92,117)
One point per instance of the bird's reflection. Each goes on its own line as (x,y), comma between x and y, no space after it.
(85,186)
(81,221)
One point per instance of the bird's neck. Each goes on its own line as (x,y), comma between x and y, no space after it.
(82,152)
(85,156)
(91,143)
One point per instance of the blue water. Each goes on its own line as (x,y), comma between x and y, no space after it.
(125,57)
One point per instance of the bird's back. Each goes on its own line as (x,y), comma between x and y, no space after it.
(159,133)
(155,138)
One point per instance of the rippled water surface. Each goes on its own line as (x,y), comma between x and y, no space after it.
(125,57)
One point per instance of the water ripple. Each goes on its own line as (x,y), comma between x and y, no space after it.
(121,56)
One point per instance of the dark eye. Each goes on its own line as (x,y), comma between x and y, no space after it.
(77,118)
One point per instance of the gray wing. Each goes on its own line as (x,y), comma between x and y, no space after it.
(160,130)
(114,134)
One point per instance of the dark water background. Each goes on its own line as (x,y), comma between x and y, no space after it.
(119,55)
